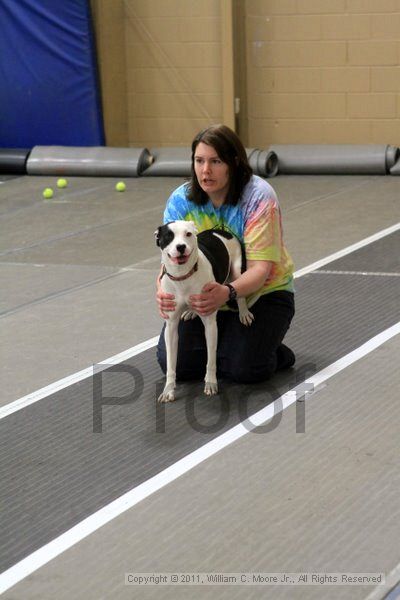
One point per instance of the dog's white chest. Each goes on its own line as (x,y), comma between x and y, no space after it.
(182,290)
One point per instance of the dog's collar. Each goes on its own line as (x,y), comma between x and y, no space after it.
(192,270)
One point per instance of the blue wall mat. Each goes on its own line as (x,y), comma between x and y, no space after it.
(49,93)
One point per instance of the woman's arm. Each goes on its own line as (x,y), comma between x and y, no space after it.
(214,295)
(253,278)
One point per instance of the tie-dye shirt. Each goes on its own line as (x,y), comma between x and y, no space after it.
(255,220)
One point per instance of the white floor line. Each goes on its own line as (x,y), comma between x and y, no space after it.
(348,250)
(391,583)
(363,273)
(43,555)
(33,397)
(13,407)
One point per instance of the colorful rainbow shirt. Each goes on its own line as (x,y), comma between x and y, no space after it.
(256,220)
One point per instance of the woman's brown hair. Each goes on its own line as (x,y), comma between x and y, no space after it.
(231,151)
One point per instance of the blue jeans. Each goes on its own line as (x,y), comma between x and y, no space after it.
(245,354)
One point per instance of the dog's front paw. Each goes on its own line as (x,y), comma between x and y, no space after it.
(168,394)
(188,314)
(246,317)
(211,388)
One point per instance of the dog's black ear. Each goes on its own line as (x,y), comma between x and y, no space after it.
(157,234)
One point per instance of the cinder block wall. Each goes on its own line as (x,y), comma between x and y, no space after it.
(109,24)
(173,55)
(309,71)
(323,71)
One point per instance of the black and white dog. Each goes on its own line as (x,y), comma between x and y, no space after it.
(190,260)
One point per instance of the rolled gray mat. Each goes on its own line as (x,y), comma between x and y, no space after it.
(395,170)
(13,160)
(263,162)
(176,162)
(343,159)
(252,154)
(392,155)
(94,161)
(170,162)
(251,151)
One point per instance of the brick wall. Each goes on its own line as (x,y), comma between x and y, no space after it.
(109,26)
(323,71)
(173,54)
(309,71)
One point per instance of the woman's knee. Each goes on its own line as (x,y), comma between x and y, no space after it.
(192,354)
(162,353)
(248,373)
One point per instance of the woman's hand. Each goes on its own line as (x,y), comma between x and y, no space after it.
(166,302)
(213,296)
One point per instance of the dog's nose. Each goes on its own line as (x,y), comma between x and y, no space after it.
(181,248)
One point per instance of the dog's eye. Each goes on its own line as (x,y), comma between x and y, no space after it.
(189,234)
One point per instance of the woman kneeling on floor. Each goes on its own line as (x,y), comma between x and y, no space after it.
(224,193)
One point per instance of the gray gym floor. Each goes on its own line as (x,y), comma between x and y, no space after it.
(78,277)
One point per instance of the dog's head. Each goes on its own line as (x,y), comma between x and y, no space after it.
(177,241)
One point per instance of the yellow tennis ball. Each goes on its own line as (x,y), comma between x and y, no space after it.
(48,193)
(62,183)
(120,186)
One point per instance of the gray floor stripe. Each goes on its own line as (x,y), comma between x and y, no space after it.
(55,470)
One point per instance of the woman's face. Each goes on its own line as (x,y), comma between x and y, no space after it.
(211,172)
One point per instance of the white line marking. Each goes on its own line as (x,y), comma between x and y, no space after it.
(8,409)
(369,240)
(391,580)
(365,273)
(33,397)
(81,530)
